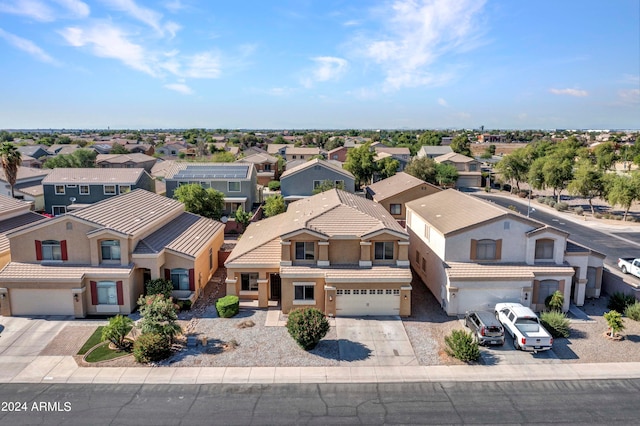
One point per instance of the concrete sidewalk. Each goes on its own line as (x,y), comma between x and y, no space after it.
(63,369)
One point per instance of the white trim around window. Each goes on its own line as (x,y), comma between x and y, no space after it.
(59,189)
(234,182)
(109,191)
(123,189)
(84,190)
(304,293)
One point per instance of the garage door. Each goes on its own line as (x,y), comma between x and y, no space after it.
(368,302)
(41,302)
(485,299)
(467,182)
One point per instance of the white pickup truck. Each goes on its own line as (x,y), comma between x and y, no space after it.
(524,326)
(629,265)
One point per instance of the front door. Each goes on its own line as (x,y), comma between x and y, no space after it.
(276,286)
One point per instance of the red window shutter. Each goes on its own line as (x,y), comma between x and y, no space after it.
(167,274)
(94,292)
(119,293)
(192,280)
(63,250)
(38,250)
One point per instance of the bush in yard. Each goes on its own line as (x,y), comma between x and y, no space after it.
(159,316)
(307,326)
(556,322)
(462,345)
(151,347)
(228,306)
(274,185)
(633,311)
(579,211)
(614,321)
(116,330)
(554,301)
(159,286)
(562,206)
(619,301)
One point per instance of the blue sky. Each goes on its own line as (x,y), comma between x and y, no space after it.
(322,64)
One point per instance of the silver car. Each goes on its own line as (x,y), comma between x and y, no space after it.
(484,326)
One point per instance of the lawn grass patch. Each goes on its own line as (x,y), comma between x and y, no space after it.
(103,353)
(93,340)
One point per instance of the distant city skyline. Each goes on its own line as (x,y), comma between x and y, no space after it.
(403,64)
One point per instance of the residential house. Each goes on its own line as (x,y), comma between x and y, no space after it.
(335,251)
(126,161)
(28,186)
(266,167)
(140,148)
(66,148)
(35,151)
(338,154)
(104,147)
(278,149)
(71,188)
(472,254)
(300,181)
(402,154)
(237,181)
(392,193)
(295,153)
(469,173)
(13,214)
(431,151)
(173,148)
(97,259)
(30,162)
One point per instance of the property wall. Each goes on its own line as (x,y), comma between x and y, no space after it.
(301,183)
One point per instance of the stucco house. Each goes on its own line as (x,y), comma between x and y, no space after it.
(401,154)
(126,161)
(28,185)
(300,181)
(13,214)
(392,193)
(96,260)
(472,254)
(71,188)
(469,173)
(335,251)
(266,166)
(433,151)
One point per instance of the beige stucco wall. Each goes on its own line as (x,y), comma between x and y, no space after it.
(560,243)
(234,284)
(5,258)
(406,196)
(433,274)
(344,252)
(287,293)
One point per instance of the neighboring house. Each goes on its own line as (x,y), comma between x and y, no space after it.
(335,251)
(97,259)
(61,148)
(338,154)
(446,140)
(469,173)
(300,181)
(70,188)
(402,154)
(294,153)
(126,161)
(266,166)
(35,151)
(432,152)
(278,148)
(161,168)
(13,214)
(472,254)
(171,148)
(237,181)
(392,193)
(28,186)
(140,148)
(31,162)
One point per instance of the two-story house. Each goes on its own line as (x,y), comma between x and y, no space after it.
(69,188)
(335,251)
(472,254)
(28,185)
(433,151)
(401,154)
(13,214)
(469,173)
(126,161)
(266,166)
(300,181)
(96,260)
(237,181)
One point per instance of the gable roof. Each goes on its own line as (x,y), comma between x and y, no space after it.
(454,157)
(135,157)
(26,173)
(394,185)
(258,158)
(316,161)
(393,150)
(97,176)
(433,150)
(16,222)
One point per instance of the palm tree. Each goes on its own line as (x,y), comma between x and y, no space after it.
(11,160)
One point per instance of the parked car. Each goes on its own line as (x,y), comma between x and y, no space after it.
(629,265)
(485,327)
(524,326)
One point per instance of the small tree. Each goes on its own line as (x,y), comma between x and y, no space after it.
(116,330)
(307,326)
(274,185)
(274,206)
(196,199)
(159,316)
(614,321)
(243,218)
(555,301)
(159,286)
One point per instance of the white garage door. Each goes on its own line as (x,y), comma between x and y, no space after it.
(41,302)
(485,299)
(368,302)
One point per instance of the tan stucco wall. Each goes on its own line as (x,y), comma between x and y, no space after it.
(5,258)
(287,293)
(264,289)
(406,196)
(344,252)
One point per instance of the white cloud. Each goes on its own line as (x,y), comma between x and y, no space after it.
(145,15)
(203,65)
(174,6)
(27,46)
(180,88)
(418,32)
(442,102)
(79,9)
(327,68)
(34,9)
(569,92)
(630,96)
(351,23)
(108,41)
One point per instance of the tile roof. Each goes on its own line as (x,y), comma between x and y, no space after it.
(462,271)
(258,158)
(30,188)
(341,273)
(10,205)
(98,176)
(28,272)
(26,173)
(394,185)
(303,150)
(314,162)
(161,168)
(209,171)
(131,212)
(136,157)
(453,157)
(186,234)
(15,222)
(273,148)
(393,150)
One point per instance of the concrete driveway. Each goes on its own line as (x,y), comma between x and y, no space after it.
(26,337)
(508,355)
(373,341)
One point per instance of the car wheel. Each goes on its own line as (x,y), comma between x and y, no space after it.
(515,343)
(624,269)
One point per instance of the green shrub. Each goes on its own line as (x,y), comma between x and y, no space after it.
(462,345)
(619,301)
(579,211)
(614,321)
(541,200)
(274,185)
(562,206)
(228,306)
(116,330)
(551,203)
(159,286)
(307,326)
(159,316)
(633,311)
(555,301)
(556,322)
(151,347)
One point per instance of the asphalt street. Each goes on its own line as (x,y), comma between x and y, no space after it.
(533,402)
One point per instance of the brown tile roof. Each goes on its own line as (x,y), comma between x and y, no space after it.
(273,148)
(453,157)
(393,150)
(395,185)
(353,273)
(9,205)
(161,168)
(303,150)
(28,272)
(136,157)
(96,176)
(312,163)
(258,159)
(461,271)
(25,173)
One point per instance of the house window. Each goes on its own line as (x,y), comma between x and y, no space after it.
(546,289)
(266,167)
(110,249)
(51,250)
(395,209)
(507,225)
(396,292)
(473,167)
(109,190)
(544,249)
(486,250)
(107,293)
(125,188)
(180,279)
(233,187)
(84,190)
(293,157)
(303,292)
(249,281)
(58,210)
(383,250)
(59,189)
(305,250)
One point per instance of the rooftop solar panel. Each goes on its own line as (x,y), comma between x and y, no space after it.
(213,172)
